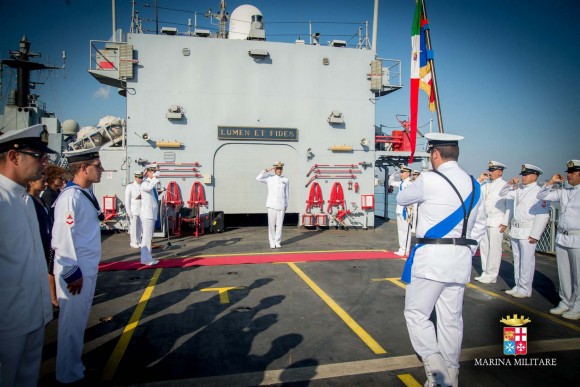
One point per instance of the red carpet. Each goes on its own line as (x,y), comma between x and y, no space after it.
(250,259)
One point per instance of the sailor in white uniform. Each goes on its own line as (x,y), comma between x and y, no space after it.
(25,306)
(451,221)
(403,224)
(567,239)
(133,208)
(497,212)
(276,202)
(76,240)
(529,218)
(149,212)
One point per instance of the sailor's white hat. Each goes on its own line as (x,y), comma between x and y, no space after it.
(528,169)
(152,166)
(495,165)
(416,172)
(442,139)
(573,166)
(278,164)
(82,155)
(405,168)
(33,137)
(138,174)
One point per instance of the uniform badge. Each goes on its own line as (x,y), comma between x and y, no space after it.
(515,335)
(69,218)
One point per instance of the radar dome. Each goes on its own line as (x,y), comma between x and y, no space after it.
(241,21)
(70,127)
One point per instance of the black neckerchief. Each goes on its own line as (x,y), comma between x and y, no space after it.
(91,198)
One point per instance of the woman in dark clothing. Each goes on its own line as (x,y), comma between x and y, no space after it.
(45,221)
(54,182)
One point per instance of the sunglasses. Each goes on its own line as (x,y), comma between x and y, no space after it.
(40,156)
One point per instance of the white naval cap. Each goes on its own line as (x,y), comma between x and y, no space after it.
(82,155)
(528,169)
(416,172)
(573,166)
(33,137)
(405,168)
(152,166)
(278,164)
(441,139)
(495,165)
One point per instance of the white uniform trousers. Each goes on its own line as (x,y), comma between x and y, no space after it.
(524,265)
(275,222)
(135,229)
(72,322)
(568,259)
(421,297)
(20,359)
(490,250)
(148,228)
(404,235)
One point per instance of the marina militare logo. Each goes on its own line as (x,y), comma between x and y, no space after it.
(515,335)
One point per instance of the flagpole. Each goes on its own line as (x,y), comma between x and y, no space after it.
(432,63)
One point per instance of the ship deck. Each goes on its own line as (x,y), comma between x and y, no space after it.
(325,310)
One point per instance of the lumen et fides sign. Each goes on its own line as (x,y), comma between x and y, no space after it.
(263,134)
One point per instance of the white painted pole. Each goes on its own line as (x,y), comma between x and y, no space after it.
(375,27)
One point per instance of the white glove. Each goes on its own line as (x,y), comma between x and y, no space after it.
(156,174)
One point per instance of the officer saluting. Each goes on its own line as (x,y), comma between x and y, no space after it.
(567,239)
(529,219)
(497,213)
(276,201)
(451,221)
(149,212)
(25,306)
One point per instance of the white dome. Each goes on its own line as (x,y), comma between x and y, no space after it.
(70,127)
(241,21)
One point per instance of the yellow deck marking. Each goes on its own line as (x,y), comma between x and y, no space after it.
(396,281)
(509,300)
(360,332)
(125,338)
(409,380)
(223,292)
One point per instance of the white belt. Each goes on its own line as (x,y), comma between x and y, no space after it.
(568,232)
(522,224)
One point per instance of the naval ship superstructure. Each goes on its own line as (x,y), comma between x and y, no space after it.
(216,109)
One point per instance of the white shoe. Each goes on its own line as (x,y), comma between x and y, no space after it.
(488,280)
(272,246)
(400,253)
(519,295)
(479,278)
(151,263)
(437,374)
(559,310)
(571,315)
(278,246)
(511,291)
(135,246)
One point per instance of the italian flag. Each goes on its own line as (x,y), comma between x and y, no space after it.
(415,73)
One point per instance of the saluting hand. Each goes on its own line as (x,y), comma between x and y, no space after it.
(483,177)
(75,287)
(557,178)
(514,181)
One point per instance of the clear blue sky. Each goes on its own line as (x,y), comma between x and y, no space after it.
(507,69)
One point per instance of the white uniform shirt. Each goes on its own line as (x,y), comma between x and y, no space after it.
(530,215)
(401,185)
(437,200)
(569,199)
(496,207)
(76,234)
(133,199)
(278,188)
(24,294)
(149,201)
